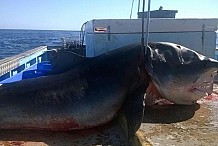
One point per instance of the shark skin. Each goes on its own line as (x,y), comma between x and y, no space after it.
(82,93)
(179,75)
(88,93)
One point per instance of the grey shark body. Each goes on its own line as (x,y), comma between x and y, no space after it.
(83,92)
(78,93)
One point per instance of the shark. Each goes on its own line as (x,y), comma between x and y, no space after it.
(178,74)
(81,93)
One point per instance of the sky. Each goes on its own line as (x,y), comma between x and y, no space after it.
(71,14)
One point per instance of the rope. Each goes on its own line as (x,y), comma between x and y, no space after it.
(131,9)
(138,6)
(147,26)
(142,37)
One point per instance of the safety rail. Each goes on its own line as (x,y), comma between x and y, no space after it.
(15,64)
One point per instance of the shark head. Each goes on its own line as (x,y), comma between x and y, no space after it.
(179,74)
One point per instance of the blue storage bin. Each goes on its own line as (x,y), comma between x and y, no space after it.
(46,65)
(34,73)
(41,70)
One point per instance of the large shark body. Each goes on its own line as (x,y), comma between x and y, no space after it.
(86,92)
(79,93)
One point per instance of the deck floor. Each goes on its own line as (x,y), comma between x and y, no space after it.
(110,134)
(168,125)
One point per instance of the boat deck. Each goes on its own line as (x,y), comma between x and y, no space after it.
(110,134)
(181,125)
(162,125)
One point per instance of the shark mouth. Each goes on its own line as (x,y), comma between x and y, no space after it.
(204,84)
(202,88)
(205,87)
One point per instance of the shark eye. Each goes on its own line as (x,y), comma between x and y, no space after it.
(178,46)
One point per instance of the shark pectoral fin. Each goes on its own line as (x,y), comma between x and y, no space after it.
(131,115)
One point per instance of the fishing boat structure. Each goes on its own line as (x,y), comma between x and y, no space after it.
(106,75)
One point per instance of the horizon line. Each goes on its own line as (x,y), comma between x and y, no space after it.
(37,29)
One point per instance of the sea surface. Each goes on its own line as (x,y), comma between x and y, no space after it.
(13,42)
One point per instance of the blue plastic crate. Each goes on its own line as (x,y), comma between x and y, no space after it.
(34,73)
(46,65)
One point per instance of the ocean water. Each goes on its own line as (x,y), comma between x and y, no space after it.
(13,42)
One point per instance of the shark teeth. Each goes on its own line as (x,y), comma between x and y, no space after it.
(205,87)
